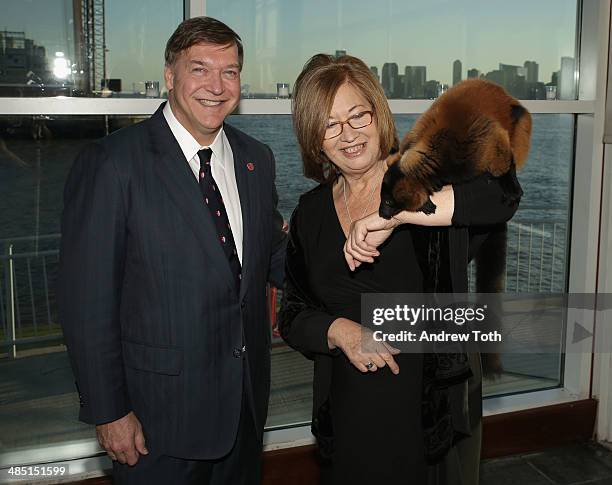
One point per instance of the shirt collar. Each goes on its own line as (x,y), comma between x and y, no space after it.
(189,145)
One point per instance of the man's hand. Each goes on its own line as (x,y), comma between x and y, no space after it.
(365,235)
(123,439)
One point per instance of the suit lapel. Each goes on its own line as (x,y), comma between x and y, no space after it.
(247,191)
(171,166)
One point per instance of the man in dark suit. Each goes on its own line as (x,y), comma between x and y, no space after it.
(170,234)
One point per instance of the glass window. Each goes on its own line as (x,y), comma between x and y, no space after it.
(110,48)
(537,247)
(537,255)
(38,403)
(86,47)
(291,389)
(537,258)
(416,48)
(277,132)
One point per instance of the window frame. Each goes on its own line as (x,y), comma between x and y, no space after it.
(586,210)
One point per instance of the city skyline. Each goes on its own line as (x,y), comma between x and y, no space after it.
(434,33)
(281,36)
(22,59)
(522,82)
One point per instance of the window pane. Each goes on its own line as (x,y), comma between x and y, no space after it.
(84,48)
(277,132)
(39,404)
(537,256)
(538,243)
(291,389)
(537,247)
(412,46)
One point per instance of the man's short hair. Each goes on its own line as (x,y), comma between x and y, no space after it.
(201,30)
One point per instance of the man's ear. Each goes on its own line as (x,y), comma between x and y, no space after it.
(169,77)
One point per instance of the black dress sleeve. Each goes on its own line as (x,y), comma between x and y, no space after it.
(303,322)
(480,202)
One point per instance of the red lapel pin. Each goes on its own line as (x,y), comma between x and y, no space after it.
(250,167)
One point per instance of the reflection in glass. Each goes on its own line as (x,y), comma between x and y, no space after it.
(84,47)
(416,49)
(537,247)
(537,254)
(38,403)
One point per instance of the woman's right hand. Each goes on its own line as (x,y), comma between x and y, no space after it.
(359,346)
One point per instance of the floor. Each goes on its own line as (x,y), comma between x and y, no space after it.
(581,464)
(39,405)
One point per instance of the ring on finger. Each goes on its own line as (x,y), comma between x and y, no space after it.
(369,365)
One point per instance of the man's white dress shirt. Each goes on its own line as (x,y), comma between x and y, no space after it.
(222,167)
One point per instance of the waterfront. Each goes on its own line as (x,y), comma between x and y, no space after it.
(31,202)
(32,176)
(33,172)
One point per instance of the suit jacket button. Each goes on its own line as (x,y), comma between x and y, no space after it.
(237,353)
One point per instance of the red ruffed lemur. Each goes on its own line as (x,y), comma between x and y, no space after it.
(475,127)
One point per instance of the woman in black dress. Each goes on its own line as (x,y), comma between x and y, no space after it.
(370,402)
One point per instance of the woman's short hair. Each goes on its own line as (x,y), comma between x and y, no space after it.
(198,30)
(313,99)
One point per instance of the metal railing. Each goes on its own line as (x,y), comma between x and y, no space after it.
(28,310)
(536,256)
(535,262)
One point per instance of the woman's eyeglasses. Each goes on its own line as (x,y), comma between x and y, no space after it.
(359,120)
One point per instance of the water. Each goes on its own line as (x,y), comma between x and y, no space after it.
(537,239)
(32,176)
(545,178)
(31,196)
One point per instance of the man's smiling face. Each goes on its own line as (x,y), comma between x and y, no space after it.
(204,88)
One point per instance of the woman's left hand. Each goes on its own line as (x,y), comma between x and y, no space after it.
(365,235)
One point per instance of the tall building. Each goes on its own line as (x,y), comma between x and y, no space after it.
(414,82)
(473,73)
(532,68)
(496,77)
(566,87)
(21,60)
(510,72)
(25,70)
(512,78)
(554,78)
(374,71)
(457,72)
(536,90)
(432,89)
(400,86)
(407,89)
(390,80)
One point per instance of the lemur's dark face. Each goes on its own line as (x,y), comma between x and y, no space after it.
(389,206)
